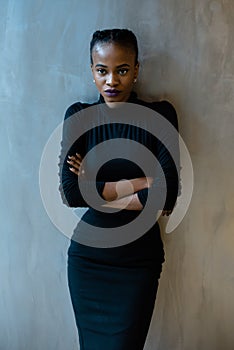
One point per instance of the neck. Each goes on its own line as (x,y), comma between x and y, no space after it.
(115,104)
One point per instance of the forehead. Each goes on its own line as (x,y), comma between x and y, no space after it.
(111,52)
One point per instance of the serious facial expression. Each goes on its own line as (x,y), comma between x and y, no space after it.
(114,70)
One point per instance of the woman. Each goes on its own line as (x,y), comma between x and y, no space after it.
(113,289)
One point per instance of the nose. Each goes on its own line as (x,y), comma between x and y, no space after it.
(112,80)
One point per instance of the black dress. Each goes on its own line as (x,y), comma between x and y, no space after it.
(113,289)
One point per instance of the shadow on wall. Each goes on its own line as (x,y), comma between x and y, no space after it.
(157,74)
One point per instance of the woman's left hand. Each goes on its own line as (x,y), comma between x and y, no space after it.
(166,212)
(76,164)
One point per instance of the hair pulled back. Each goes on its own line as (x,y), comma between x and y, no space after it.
(123,37)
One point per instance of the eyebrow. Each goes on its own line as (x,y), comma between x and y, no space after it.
(120,66)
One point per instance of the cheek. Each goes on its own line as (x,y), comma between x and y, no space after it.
(129,82)
(99,81)
(98,77)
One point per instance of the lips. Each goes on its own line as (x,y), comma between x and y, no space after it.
(112,92)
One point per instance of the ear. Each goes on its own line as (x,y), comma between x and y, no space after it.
(136,71)
(92,69)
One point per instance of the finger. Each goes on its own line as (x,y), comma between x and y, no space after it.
(75,171)
(166,212)
(74,164)
(79,156)
(75,159)
(76,156)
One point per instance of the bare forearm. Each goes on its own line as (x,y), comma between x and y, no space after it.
(130,202)
(112,190)
(123,188)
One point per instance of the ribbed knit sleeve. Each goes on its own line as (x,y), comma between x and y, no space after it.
(169,164)
(70,145)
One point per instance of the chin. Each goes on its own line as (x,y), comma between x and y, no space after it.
(115,100)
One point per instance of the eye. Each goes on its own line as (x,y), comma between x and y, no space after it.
(123,71)
(101,71)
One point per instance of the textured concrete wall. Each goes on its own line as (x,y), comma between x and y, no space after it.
(186,56)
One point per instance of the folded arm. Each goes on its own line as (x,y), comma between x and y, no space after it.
(118,194)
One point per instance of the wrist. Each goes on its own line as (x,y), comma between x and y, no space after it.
(140,184)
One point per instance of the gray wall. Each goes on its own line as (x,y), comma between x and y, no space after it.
(187,57)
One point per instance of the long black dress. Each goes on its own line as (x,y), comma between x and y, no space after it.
(113,289)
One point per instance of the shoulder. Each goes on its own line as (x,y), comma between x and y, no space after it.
(165,108)
(77,107)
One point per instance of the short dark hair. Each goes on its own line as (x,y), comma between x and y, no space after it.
(123,37)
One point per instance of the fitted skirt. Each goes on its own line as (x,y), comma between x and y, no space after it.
(113,291)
